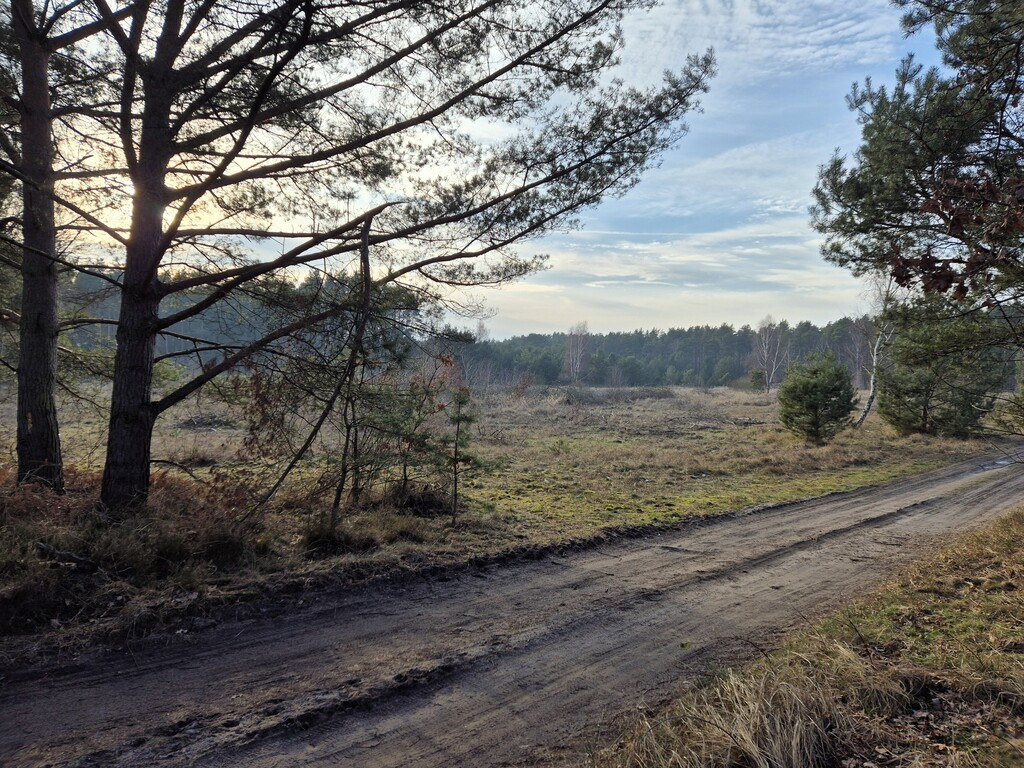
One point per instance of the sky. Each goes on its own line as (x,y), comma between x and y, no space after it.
(720,232)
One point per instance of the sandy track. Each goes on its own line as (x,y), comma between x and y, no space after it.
(495,666)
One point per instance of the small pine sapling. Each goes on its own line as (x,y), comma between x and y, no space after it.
(816,398)
(460,417)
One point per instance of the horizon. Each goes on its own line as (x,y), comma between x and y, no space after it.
(490,336)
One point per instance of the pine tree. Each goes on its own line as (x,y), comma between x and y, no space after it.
(459,458)
(815,398)
(942,373)
(231,123)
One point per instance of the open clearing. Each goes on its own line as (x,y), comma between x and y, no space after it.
(565,465)
(497,666)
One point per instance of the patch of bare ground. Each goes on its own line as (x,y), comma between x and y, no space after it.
(927,672)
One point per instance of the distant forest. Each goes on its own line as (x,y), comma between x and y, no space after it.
(700,356)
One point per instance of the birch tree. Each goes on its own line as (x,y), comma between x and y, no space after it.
(576,350)
(884,291)
(771,350)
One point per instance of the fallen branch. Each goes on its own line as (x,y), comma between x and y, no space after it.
(83,564)
(180,466)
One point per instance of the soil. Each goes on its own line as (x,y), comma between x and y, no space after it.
(516,664)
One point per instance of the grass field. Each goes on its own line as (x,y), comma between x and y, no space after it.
(564,464)
(572,462)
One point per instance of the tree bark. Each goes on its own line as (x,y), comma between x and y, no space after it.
(883,336)
(132,411)
(38,441)
(126,472)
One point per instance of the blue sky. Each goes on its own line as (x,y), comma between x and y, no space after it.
(720,231)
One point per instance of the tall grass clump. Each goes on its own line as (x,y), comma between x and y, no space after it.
(805,710)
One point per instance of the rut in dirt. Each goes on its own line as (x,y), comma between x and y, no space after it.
(497,666)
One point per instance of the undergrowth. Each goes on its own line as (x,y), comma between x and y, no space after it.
(73,575)
(63,560)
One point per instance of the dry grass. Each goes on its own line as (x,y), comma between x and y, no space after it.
(568,464)
(95,568)
(570,468)
(929,672)
(803,711)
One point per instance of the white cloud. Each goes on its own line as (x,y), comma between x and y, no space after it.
(758,39)
(770,176)
(731,275)
(720,232)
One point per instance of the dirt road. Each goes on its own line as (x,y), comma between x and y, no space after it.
(496,666)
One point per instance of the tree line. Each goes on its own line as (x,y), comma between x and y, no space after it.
(697,356)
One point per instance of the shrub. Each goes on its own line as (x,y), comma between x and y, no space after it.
(943,371)
(321,539)
(815,398)
(920,400)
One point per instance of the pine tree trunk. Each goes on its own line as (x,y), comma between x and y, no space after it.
(38,441)
(126,472)
(132,412)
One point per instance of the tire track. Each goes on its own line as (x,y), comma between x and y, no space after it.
(467,671)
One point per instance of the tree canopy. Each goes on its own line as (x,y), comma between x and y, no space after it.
(942,374)
(935,194)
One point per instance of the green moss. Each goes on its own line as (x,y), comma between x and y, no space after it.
(559,497)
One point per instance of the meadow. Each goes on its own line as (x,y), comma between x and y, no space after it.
(561,467)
